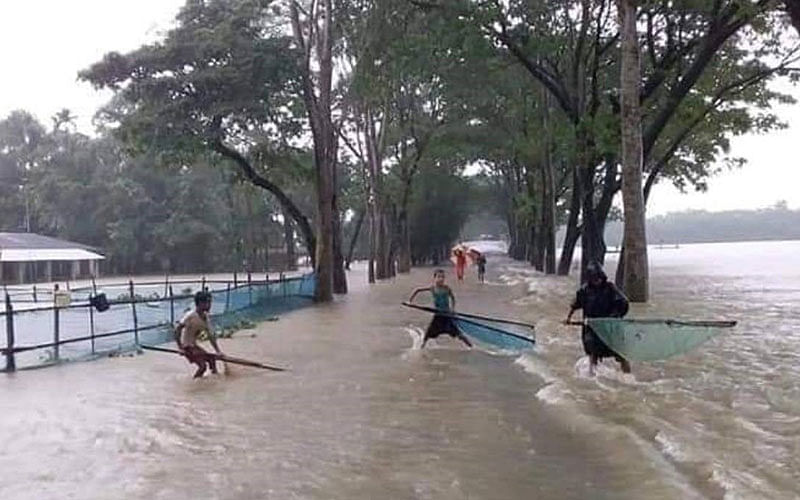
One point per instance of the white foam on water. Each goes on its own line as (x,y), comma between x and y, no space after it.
(738,485)
(417,336)
(671,448)
(583,368)
(555,393)
(534,364)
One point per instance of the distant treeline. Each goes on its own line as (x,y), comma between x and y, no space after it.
(700,226)
(691,226)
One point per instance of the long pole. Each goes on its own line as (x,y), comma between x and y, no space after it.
(11,364)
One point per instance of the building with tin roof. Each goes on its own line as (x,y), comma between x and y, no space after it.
(31,258)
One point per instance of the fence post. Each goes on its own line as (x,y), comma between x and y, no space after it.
(91,325)
(203,284)
(35,298)
(235,279)
(135,319)
(249,289)
(166,284)
(56,332)
(94,286)
(11,364)
(283,284)
(228,297)
(171,308)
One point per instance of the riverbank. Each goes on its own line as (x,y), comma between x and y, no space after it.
(361,415)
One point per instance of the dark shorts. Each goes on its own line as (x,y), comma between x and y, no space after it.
(197,355)
(442,324)
(594,345)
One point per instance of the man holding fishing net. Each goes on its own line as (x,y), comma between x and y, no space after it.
(188,331)
(598,298)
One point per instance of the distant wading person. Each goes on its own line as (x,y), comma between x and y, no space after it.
(442,297)
(460,260)
(481,263)
(187,333)
(599,298)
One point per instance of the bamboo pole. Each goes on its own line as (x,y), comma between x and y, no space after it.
(91,325)
(56,332)
(249,289)
(135,318)
(11,364)
(171,307)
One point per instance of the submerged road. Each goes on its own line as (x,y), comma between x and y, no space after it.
(361,415)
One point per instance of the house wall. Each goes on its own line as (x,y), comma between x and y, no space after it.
(15,273)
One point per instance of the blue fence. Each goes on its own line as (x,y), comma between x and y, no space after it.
(142,313)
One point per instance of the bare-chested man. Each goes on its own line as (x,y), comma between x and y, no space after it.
(189,329)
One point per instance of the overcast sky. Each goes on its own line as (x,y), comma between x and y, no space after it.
(44,43)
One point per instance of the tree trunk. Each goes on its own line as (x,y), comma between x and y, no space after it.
(325,240)
(373,229)
(404,253)
(592,244)
(288,239)
(635,278)
(522,238)
(573,232)
(376,196)
(404,249)
(339,276)
(317,98)
(354,239)
(548,192)
(383,247)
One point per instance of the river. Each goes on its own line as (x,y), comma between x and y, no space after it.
(364,414)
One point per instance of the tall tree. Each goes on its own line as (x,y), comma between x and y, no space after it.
(222,80)
(635,282)
(312,27)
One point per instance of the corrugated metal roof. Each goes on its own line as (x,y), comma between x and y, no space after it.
(45,254)
(37,241)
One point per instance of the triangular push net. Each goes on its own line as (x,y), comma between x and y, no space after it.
(654,339)
(498,334)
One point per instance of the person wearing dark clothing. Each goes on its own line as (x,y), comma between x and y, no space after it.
(599,298)
(481,262)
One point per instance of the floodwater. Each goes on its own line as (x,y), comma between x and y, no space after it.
(365,414)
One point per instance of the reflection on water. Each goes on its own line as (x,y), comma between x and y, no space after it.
(364,415)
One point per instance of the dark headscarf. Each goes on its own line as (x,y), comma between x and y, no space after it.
(593,271)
